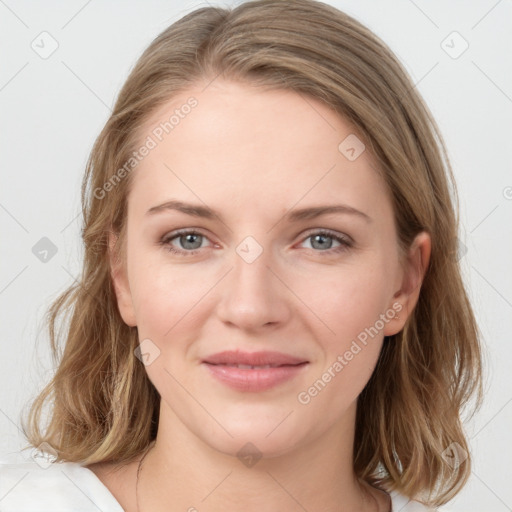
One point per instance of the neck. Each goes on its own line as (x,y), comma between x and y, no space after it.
(181,472)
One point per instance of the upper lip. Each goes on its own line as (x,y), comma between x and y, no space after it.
(253,358)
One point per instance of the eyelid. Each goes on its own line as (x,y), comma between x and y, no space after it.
(327,231)
(183,231)
(165,241)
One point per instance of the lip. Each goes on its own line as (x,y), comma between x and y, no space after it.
(281,368)
(262,358)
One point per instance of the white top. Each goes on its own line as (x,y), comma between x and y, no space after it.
(70,487)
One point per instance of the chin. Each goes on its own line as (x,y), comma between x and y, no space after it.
(251,446)
(266,433)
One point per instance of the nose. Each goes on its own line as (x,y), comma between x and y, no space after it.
(253,296)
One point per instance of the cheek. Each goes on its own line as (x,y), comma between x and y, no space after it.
(346,301)
(165,298)
(349,303)
(350,346)
(170,310)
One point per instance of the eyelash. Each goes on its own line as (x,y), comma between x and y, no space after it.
(345,243)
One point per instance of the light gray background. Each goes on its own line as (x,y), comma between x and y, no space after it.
(52,110)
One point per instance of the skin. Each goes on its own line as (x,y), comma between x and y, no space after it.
(253,155)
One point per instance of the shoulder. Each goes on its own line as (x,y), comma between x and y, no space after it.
(27,485)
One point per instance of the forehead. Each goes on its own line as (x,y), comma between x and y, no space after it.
(233,143)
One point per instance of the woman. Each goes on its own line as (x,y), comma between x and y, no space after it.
(271,314)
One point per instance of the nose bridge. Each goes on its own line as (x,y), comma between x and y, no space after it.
(251,264)
(251,295)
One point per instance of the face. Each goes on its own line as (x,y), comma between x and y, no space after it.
(228,249)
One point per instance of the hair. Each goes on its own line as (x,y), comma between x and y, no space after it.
(103,405)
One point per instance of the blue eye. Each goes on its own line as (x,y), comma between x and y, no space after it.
(323,241)
(190,242)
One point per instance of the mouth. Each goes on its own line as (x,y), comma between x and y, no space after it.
(254,367)
(251,360)
(257,371)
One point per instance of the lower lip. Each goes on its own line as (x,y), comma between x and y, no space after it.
(254,380)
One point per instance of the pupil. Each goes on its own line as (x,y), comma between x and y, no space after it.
(190,239)
(321,239)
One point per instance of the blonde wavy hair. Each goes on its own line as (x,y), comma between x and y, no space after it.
(103,405)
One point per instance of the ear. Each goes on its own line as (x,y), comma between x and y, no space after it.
(406,298)
(120,282)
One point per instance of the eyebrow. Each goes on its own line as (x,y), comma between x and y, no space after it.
(294,215)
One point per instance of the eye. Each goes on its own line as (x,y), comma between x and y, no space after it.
(322,241)
(184,242)
(187,242)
